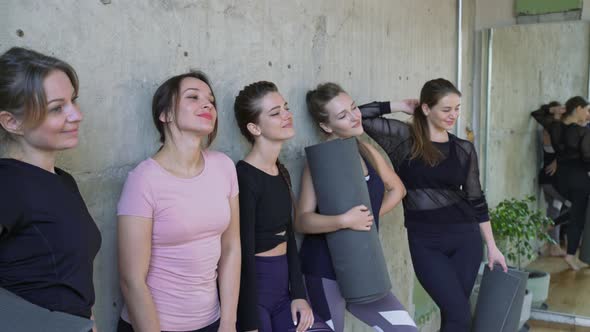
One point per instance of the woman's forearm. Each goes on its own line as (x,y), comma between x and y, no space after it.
(487,234)
(314,223)
(140,305)
(229,283)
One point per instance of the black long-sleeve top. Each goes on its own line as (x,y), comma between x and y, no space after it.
(49,241)
(447,196)
(572,144)
(265,222)
(545,120)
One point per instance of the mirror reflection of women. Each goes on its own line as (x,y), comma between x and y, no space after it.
(571,141)
(546,115)
(445,208)
(48,240)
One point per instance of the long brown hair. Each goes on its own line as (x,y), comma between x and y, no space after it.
(432,92)
(317,100)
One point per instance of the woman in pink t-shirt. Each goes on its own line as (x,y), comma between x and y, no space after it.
(179,221)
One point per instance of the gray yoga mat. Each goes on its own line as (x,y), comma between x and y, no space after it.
(19,315)
(585,249)
(339,185)
(500,300)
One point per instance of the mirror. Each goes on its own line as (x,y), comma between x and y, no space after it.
(523,67)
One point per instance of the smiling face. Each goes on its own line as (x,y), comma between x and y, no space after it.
(344,117)
(275,121)
(195,112)
(444,114)
(59,129)
(582,113)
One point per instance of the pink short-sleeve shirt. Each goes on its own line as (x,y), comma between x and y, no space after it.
(189,216)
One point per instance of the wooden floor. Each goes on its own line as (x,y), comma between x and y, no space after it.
(569,291)
(549,327)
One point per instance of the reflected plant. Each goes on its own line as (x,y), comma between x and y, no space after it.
(518,227)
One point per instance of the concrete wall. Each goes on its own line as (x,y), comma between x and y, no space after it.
(122,51)
(496,13)
(531,65)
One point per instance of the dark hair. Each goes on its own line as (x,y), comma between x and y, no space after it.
(247,107)
(166,99)
(317,100)
(22,72)
(546,108)
(432,92)
(573,103)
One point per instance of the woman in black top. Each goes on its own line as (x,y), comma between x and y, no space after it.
(546,115)
(48,240)
(272,294)
(445,208)
(571,141)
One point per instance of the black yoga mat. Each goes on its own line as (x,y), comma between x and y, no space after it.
(585,249)
(18,315)
(340,185)
(500,300)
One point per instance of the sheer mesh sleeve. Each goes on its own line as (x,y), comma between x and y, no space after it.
(542,118)
(585,148)
(472,187)
(392,135)
(556,132)
(375,125)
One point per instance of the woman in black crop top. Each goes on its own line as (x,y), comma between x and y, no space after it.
(571,141)
(445,208)
(48,240)
(338,117)
(272,294)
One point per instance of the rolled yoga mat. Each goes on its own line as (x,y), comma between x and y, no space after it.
(340,185)
(19,315)
(500,300)
(585,249)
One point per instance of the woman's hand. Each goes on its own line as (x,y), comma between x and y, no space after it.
(496,257)
(551,168)
(358,218)
(305,314)
(407,106)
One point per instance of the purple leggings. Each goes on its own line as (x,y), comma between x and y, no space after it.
(274,300)
(386,314)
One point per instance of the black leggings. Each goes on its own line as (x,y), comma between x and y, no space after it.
(574,184)
(446,265)
(123,326)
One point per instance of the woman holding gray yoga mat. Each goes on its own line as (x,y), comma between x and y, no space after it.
(445,208)
(338,117)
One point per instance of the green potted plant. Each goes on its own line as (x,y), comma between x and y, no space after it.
(518,228)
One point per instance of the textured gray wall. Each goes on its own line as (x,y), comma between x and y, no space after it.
(381,49)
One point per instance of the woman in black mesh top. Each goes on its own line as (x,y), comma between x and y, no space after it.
(546,115)
(445,208)
(571,141)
